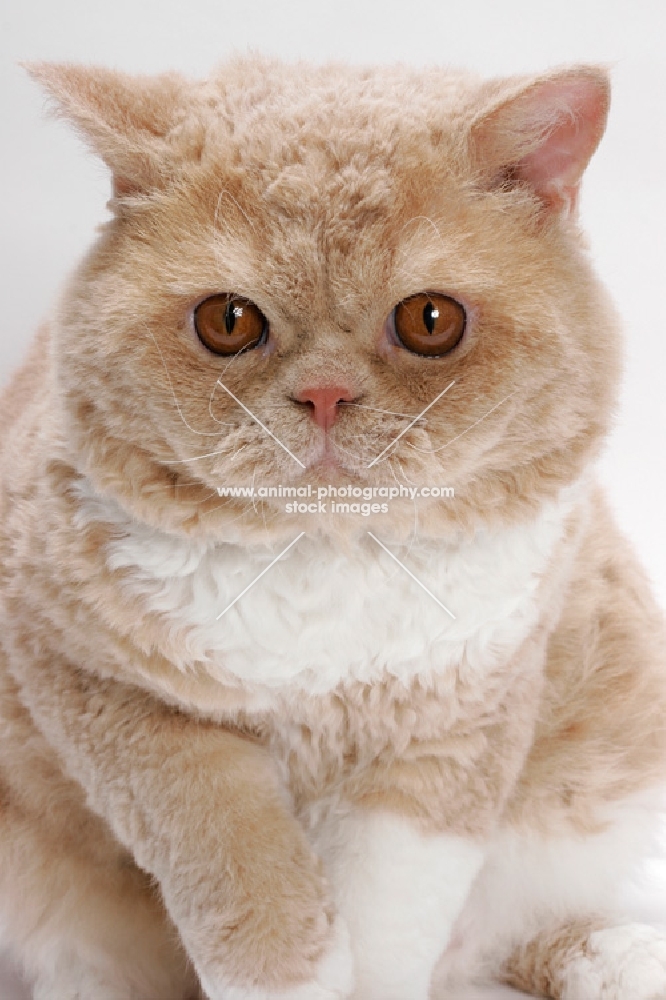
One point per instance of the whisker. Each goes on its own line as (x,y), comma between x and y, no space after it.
(197,458)
(218,381)
(254,506)
(433,451)
(346,451)
(224,193)
(173,393)
(411,483)
(377,409)
(207,497)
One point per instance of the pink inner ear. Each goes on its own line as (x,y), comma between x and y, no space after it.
(570,116)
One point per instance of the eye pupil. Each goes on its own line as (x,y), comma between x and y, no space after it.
(430,314)
(230,317)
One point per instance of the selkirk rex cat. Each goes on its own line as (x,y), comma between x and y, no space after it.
(252,753)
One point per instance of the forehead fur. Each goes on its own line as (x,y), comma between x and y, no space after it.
(286,115)
(332,148)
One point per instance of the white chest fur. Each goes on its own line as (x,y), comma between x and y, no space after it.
(318,616)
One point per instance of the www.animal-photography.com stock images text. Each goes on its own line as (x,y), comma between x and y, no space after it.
(332,548)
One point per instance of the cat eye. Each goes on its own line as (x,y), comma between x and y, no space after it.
(428,324)
(227,324)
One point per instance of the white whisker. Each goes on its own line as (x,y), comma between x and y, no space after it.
(173,393)
(410,425)
(197,458)
(262,425)
(224,193)
(433,451)
(377,409)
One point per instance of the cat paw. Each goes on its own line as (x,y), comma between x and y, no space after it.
(620,963)
(333,980)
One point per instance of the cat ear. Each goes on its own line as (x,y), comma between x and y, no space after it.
(125,119)
(542,133)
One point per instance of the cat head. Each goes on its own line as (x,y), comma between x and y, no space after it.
(335,275)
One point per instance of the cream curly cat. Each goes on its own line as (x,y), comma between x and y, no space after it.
(243,751)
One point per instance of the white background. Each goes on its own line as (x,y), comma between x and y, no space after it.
(53,192)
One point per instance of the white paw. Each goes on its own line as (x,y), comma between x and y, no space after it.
(622,963)
(334,979)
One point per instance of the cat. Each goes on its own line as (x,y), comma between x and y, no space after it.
(251,752)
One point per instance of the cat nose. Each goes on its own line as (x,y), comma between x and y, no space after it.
(324,401)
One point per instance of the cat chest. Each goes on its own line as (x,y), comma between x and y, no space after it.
(316,617)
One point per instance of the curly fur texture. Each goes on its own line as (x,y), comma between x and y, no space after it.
(335,789)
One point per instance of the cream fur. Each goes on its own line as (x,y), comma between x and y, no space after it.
(191,804)
(326,616)
(335,977)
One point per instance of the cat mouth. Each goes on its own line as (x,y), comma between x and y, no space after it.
(328,460)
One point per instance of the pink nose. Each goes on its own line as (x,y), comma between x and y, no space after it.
(324,400)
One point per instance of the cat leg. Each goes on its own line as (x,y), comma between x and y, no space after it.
(83,930)
(400,891)
(202,810)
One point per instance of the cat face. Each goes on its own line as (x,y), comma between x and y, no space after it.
(288,243)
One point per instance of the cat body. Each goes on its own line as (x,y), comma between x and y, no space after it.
(307,755)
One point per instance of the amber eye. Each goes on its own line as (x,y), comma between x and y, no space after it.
(429,324)
(226,324)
